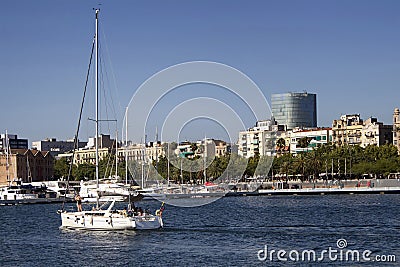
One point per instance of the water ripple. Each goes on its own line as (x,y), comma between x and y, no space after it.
(229,232)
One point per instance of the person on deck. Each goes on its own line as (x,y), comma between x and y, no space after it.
(78,202)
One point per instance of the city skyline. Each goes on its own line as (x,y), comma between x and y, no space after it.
(345,52)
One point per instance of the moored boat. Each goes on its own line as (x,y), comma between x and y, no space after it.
(18,192)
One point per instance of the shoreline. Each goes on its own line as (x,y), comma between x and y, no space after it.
(320,191)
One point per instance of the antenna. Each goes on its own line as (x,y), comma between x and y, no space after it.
(97,8)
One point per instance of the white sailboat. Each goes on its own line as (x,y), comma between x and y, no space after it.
(107,219)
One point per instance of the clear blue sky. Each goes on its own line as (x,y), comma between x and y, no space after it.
(348,52)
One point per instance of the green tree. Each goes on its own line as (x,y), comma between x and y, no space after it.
(300,165)
(84,171)
(61,168)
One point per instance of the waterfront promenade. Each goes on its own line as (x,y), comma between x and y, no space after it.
(323,187)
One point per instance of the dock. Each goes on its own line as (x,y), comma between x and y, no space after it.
(330,191)
(12,202)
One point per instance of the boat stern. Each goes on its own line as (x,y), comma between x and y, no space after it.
(148,222)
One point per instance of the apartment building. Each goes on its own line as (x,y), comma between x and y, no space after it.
(376,133)
(352,130)
(142,152)
(259,140)
(396,128)
(347,130)
(314,137)
(13,142)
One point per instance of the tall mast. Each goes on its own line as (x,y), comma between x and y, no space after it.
(126,145)
(7,158)
(97,99)
(116,154)
(168,163)
(181,158)
(143,160)
(205,159)
(29,169)
(156,148)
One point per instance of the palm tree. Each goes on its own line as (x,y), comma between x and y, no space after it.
(300,164)
(281,144)
(314,161)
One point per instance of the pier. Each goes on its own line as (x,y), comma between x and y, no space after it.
(330,191)
(12,202)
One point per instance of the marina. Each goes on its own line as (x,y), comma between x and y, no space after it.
(115,191)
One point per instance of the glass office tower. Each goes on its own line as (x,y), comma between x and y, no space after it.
(295,109)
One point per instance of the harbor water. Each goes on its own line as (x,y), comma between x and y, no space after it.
(235,231)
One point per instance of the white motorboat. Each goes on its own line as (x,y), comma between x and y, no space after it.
(58,187)
(17,192)
(152,193)
(90,191)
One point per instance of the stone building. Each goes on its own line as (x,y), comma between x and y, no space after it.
(26,165)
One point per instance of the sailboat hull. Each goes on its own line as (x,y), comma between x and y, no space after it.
(96,221)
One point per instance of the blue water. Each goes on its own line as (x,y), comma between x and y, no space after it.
(228,232)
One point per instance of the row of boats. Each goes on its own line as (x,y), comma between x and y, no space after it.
(108,190)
